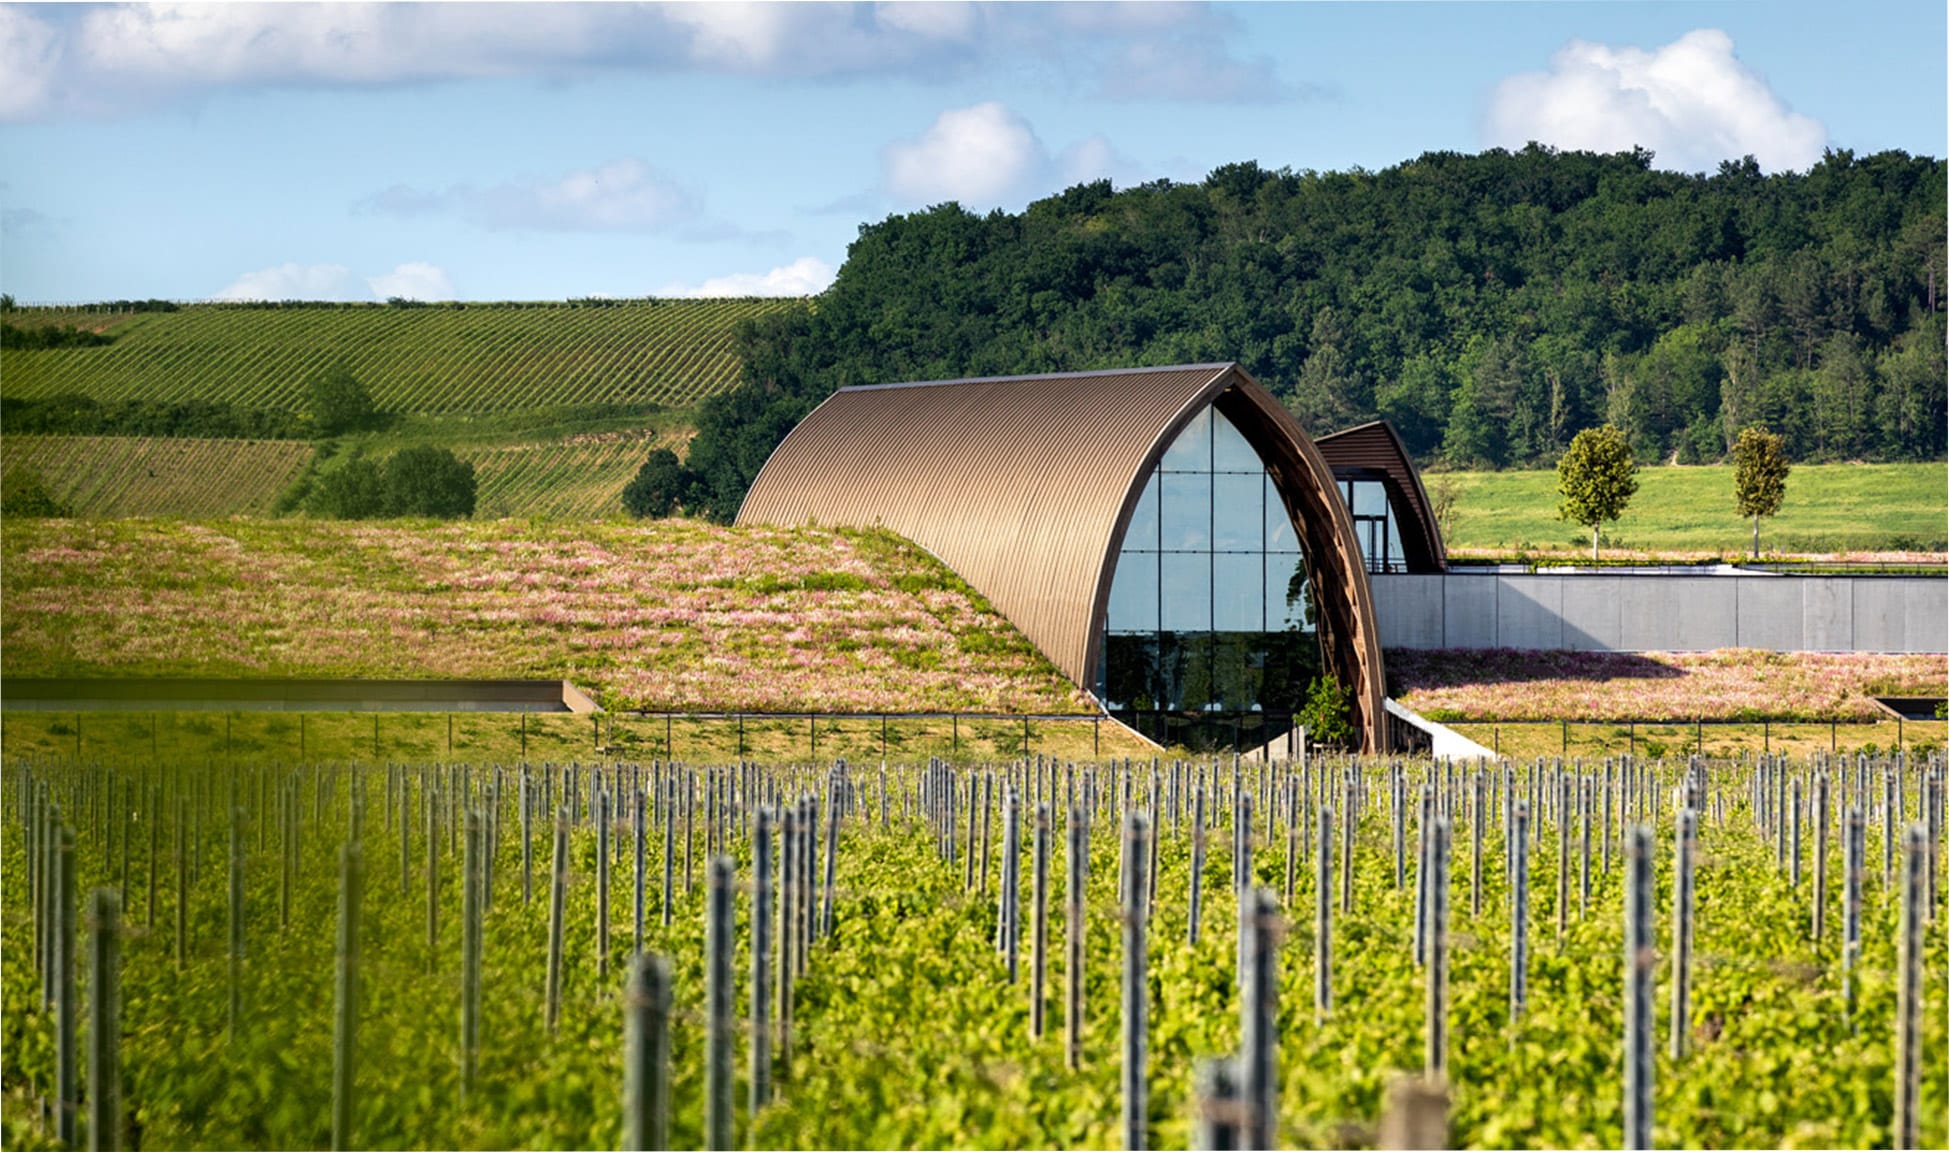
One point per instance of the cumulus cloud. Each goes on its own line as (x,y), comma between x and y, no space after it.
(1095,158)
(1693,102)
(292,282)
(1174,51)
(625,195)
(986,156)
(122,57)
(806,276)
(413,281)
(979,156)
(30,58)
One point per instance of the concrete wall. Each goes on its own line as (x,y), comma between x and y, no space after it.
(1663,613)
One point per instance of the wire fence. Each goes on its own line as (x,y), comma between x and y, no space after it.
(700,736)
(1654,738)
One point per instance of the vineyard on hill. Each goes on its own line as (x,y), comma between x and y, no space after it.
(432,359)
(160,476)
(575,478)
(579,478)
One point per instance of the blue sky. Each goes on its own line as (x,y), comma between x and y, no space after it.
(513,151)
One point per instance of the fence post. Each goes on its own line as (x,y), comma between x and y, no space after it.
(1259,1025)
(105,1024)
(1136,987)
(1640,959)
(1436,913)
(761,943)
(719,944)
(346,1013)
(1221,1113)
(1078,862)
(1323,921)
(1682,930)
(646,1055)
(1908,989)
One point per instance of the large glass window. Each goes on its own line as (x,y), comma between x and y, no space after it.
(1373,523)
(1210,608)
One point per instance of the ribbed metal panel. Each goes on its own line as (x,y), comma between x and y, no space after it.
(1024,485)
(1377,447)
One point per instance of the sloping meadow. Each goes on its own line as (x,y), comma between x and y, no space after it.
(658,615)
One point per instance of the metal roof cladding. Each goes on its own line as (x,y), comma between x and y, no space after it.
(1024,485)
(1376,447)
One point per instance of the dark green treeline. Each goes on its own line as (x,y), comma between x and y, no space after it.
(1490,306)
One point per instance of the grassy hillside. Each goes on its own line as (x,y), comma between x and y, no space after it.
(432,359)
(159,476)
(1829,508)
(664,614)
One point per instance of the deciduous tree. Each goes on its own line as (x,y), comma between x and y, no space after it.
(428,481)
(1759,476)
(1597,478)
(338,402)
(657,487)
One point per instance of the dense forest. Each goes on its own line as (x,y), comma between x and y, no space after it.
(1490,306)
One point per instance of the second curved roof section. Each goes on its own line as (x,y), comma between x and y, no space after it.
(1022,485)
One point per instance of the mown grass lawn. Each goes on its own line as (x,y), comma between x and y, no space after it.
(1829,508)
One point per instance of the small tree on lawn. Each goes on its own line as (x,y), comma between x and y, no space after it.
(1597,479)
(1759,476)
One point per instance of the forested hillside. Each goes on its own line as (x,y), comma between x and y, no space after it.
(1490,306)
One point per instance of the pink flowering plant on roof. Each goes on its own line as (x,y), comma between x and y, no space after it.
(1728,684)
(662,614)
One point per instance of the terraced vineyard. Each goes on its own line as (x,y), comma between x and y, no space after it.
(449,358)
(160,476)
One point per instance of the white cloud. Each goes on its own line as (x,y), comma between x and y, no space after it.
(1194,69)
(941,20)
(987,156)
(292,282)
(806,276)
(625,196)
(1095,158)
(734,36)
(1692,101)
(128,57)
(413,281)
(30,58)
(979,156)
(622,196)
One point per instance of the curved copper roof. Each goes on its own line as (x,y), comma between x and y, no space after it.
(1376,447)
(1024,486)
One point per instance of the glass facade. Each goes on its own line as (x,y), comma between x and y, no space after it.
(1373,523)
(1211,607)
